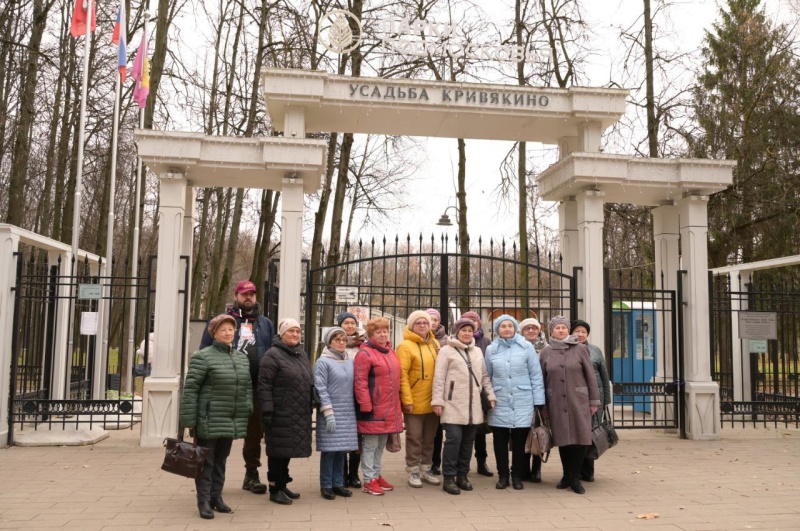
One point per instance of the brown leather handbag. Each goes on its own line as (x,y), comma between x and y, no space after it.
(184,458)
(540,439)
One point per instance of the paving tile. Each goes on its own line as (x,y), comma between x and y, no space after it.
(746,480)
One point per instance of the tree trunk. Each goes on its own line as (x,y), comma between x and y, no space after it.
(26,117)
(463,233)
(652,123)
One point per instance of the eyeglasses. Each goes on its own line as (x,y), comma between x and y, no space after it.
(339,338)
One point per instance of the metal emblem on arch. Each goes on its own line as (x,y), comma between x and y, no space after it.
(336,34)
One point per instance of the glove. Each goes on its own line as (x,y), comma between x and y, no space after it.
(266,418)
(330,423)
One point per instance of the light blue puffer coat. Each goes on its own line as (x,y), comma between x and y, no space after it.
(333,378)
(516,377)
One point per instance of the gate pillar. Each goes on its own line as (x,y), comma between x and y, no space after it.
(666,238)
(701,392)
(9,244)
(60,379)
(568,241)
(161,396)
(590,251)
(291,264)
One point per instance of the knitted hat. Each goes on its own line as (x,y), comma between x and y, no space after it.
(461,323)
(416,316)
(576,324)
(558,319)
(345,315)
(503,318)
(528,322)
(434,311)
(214,323)
(327,337)
(287,323)
(472,315)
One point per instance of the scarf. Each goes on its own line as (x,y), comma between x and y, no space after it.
(329,352)
(563,344)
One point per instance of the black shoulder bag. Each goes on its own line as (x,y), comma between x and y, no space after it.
(485,404)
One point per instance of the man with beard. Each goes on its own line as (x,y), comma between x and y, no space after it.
(253,337)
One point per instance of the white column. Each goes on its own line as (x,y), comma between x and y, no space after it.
(590,135)
(188,246)
(702,394)
(9,244)
(666,236)
(567,145)
(590,252)
(568,242)
(161,397)
(59,381)
(294,122)
(291,264)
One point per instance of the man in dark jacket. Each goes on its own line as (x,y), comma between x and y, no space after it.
(253,337)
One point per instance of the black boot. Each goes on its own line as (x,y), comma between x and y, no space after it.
(218,505)
(328,494)
(343,492)
(463,483)
(449,485)
(204,508)
(253,483)
(536,470)
(483,468)
(517,483)
(502,482)
(352,474)
(564,483)
(277,495)
(576,485)
(290,494)
(587,471)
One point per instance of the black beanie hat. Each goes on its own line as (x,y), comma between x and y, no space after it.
(577,323)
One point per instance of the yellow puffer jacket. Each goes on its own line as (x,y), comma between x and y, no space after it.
(417,362)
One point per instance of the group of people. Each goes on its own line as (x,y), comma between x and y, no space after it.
(445,391)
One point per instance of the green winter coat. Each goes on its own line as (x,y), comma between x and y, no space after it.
(218,394)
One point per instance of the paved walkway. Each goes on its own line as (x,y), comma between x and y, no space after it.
(748,480)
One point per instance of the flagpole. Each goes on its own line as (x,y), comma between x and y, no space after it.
(76,213)
(135,258)
(109,265)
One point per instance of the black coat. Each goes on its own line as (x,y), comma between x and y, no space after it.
(284,389)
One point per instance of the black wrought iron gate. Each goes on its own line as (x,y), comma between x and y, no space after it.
(759,378)
(50,303)
(643,350)
(392,278)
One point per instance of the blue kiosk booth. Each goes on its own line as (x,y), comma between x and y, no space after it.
(634,346)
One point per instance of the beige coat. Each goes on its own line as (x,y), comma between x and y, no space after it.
(453,386)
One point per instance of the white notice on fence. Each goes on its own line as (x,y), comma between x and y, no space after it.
(88,323)
(758,325)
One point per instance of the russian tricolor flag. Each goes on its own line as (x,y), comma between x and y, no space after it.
(120,31)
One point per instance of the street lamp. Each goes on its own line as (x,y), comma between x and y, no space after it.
(444,220)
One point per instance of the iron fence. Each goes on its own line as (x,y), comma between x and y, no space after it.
(758,386)
(50,304)
(392,278)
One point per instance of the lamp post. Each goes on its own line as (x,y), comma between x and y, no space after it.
(444,220)
(463,249)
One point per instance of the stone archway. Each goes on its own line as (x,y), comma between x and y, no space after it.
(301,102)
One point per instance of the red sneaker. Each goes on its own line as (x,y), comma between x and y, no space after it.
(385,485)
(372,487)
